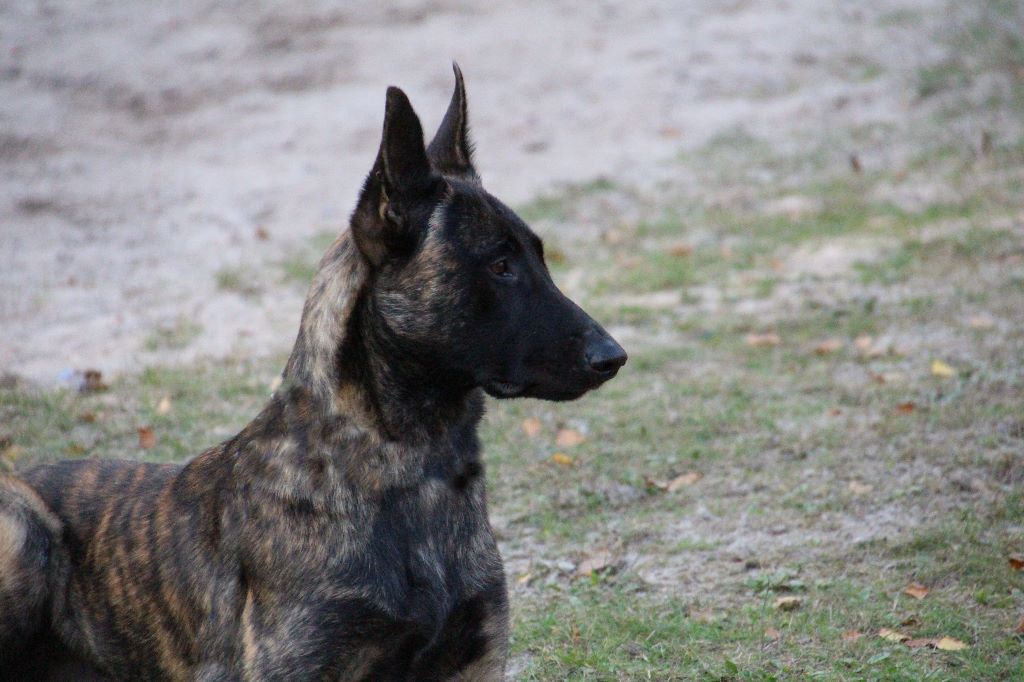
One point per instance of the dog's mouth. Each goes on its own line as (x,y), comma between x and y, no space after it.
(504,389)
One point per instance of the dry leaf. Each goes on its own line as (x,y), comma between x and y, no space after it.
(982,322)
(683,480)
(87,417)
(568,438)
(524,579)
(835,412)
(595,562)
(910,621)
(561,458)
(950,644)
(852,635)
(147,438)
(863,342)
(906,408)
(164,406)
(531,427)
(828,347)
(788,603)
(772,634)
(1016,561)
(1020,627)
(757,340)
(920,643)
(892,635)
(680,250)
(941,369)
(858,488)
(262,234)
(92,381)
(916,590)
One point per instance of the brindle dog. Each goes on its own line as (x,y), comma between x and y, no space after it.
(343,534)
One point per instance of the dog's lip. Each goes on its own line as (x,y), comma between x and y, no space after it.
(504,389)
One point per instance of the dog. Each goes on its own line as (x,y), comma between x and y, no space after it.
(343,533)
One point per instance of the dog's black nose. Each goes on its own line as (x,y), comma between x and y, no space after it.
(604,355)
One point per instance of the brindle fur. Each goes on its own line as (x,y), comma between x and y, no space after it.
(343,533)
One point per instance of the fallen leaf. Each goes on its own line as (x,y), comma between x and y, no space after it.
(1016,561)
(858,488)
(568,438)
(892,635)
(524,579)
(835,412)
(562,458)
(916,590)
(262,234)
(941,369)
(757,340)
(531,427)
(863,342)
(87,417)
(595,562)
(788,603)
(982,322)
(683,480)
(92,381)
(852,635)
(920,643)
(1020,627)
(147,438)
(680,250)
(910,621)
(772,634)
(828,346)
(950,644)
(164,406)
(906,408)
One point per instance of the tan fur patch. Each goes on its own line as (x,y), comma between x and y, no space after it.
(12,539)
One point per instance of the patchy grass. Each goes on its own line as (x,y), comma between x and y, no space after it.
(177,334)
(239,281)
(830,463)
(298,268)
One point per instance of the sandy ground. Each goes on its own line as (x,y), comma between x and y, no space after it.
(144,148)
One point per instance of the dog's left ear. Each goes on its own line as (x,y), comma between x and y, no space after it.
(451,152)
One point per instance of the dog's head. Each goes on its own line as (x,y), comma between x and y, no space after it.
(458,281)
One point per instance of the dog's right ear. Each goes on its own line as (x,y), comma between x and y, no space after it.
(401,177)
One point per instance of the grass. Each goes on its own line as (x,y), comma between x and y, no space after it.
(836,476)
(815,483)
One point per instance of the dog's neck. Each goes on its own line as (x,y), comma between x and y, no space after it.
(355,371)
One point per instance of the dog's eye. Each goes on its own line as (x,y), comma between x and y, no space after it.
(501,268)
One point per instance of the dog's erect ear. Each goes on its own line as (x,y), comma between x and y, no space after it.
(400,178)
(451,151)
(405,169)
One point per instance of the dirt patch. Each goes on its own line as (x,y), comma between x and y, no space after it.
(147,149)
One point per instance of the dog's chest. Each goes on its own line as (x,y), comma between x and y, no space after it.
(392,567)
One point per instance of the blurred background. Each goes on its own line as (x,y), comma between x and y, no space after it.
(803,218)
